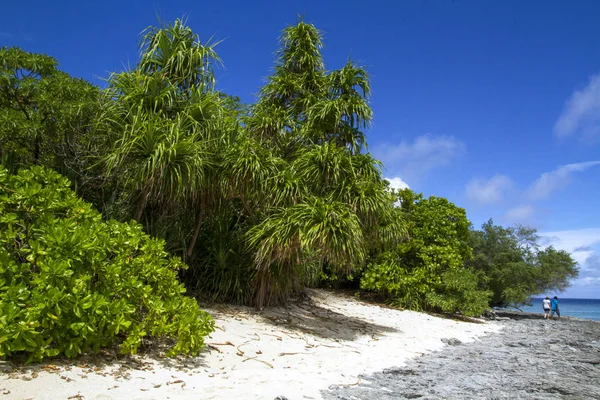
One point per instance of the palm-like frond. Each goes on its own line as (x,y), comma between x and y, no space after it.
(300,50)
(324,166)
(247,167)
(350,81)
(299,71)
(290,171)
(331,229)
(161,159)
(392,228)
(153,93)
(288,188)
(268,123)
(178,54)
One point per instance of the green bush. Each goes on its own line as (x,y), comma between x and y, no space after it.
(460,291)
(456,290)
(427,272)
(72,283)
(403,288)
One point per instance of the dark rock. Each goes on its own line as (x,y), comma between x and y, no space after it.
(451,341)
(515,314)
(400,371)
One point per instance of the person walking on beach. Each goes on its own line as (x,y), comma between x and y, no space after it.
(554,308)
(546,305)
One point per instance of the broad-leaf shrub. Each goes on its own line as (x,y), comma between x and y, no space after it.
(427,272)
(71,283)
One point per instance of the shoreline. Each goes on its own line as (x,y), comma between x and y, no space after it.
(530,358)
(324,342)
(518,314)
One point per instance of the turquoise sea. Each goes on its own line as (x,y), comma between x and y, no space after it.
(578,308)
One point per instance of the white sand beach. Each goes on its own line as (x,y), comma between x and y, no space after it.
(295,351)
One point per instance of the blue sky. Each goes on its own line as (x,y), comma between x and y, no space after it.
(492,104)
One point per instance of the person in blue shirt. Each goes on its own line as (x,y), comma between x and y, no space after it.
(554,308)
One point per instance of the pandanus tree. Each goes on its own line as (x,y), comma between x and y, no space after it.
(324,194)
(167,121)
(259,201)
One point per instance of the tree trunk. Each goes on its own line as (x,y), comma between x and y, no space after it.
(141,203)
(194,238)
(263,288)
(36,150)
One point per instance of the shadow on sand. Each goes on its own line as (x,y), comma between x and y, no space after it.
(311,318)
(108,362)
(305,315)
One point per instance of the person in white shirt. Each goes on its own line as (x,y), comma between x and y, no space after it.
(546,305)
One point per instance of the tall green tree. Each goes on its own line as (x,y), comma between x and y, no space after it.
(428,271)
(47,117)
(320,195)
(516,266)
(168,125)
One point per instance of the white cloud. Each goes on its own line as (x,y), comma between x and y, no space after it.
(522,214)
(589,281)
(488,191)
(397,183)
(591,264)
(413,161)
(581,114)
(557,179)
(578,242)
(584,247)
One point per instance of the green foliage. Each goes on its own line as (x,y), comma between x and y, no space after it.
(316,199)
(461,291)
(260,200)
(176,52)
(48,118)
(515,265)
(558,268)
(224,268)
(71,283)
(255,199)
(427,271)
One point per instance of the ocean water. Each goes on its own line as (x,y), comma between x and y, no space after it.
(578,308)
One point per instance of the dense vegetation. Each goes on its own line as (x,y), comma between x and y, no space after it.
(71,282)
(429,271)
(258,200)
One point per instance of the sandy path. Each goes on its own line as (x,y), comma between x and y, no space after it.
(322,343)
